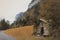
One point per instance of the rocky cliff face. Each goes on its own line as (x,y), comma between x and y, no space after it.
(33,2)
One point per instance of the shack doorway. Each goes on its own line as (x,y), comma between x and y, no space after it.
(42,31)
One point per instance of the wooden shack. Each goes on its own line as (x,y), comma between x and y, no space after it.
(42,29)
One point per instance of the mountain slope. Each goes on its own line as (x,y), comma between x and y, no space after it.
(49,10)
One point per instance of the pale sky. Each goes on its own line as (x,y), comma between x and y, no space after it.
(9,8)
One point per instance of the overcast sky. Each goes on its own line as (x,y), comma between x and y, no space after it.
(9,8)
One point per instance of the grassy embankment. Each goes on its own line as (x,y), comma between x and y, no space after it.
(23,33)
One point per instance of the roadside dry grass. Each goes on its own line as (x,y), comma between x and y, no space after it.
(23,33)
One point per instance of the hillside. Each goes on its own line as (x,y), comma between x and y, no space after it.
(48,10)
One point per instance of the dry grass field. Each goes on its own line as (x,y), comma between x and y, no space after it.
(23,33)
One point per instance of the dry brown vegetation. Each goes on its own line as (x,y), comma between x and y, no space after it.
(23,33)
